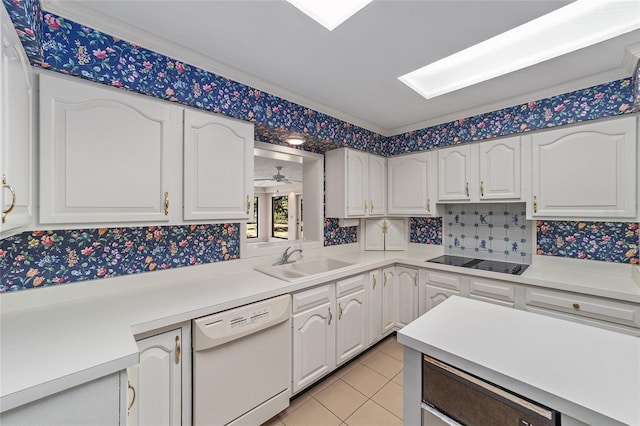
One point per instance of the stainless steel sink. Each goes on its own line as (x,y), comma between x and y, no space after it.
(303,269)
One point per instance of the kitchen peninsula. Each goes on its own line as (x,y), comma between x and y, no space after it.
(591,376)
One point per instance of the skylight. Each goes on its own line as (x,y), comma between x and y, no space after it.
(572,27)
(329,13)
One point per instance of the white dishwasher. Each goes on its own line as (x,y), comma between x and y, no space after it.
(242,364)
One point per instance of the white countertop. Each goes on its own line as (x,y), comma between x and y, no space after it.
(55,338)
(590,374)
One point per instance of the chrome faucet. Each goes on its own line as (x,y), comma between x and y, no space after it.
(285,257)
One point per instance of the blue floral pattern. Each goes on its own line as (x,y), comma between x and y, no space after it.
(605,241)
(45,258)
(26,16)
(425,230)
(335,235)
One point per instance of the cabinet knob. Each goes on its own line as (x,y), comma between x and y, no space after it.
(576,306)
(5,185)
(467,189)
(535,204)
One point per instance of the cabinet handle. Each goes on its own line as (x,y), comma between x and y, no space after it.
(339,311)
(330,316)
(535,204)
(166,203)
(133,400)
(467,189)
(428,205)
(415,280)
(248,204)
(365,205)
(576,306)
(386,277)
(481,189)
(178,350)
(374,282)
(13,198)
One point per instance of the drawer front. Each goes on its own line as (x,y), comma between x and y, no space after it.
(313,297)
(585,306)
(492,289)
(587,321)
(444,279)
(350,285)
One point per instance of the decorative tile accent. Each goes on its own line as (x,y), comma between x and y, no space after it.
(44,258)
(605,241)
(497,231)
(425,230)
(335,235)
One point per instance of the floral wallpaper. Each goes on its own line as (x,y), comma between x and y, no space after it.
(45,258)
(36,259)
(425,230)
(606,241)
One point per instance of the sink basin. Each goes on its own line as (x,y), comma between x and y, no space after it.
(303,269)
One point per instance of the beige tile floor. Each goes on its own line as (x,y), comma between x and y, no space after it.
(365,392)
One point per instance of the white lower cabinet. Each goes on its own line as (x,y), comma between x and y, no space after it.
(329,327)
(157,386)
(438,287)
(388,300)
(96,402)
(492,291)
(406,295)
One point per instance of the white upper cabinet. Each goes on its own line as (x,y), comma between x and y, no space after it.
(355,184)
(218,167)
(585,171)
(500,169)
(477,172)
(454,170)
(385,234)
(411,183)
(106,155)
(16,131)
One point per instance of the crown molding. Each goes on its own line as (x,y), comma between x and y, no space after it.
(85,15)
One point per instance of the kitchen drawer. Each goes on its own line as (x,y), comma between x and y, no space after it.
(444,279)
(313,297)
(482,289)
(587,321)
(584,306)
(350,285)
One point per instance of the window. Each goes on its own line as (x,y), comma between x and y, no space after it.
(280,217)
(252,225)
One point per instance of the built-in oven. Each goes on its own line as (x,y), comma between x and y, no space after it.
(452,397)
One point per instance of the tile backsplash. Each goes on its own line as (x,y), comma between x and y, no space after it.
(497,231)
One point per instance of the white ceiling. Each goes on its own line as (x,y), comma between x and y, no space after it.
(351,73)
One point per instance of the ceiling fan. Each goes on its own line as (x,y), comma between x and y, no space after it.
(278,177)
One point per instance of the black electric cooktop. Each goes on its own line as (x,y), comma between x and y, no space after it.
(483,264)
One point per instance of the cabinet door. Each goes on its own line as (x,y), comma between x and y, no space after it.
(435,295)
(388,300)
(155,385)
(375,305)
(104,154)
(314,344)
(16,130)
(396,236)
(377,185)
(500,169)
(218,167)
(408,184)
(374,234)
(454,173)
(406,290)
(586,171)
(351,330)
(357,182)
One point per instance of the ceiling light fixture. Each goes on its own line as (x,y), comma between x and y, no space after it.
(329,13)
(295,141)
(572,27)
